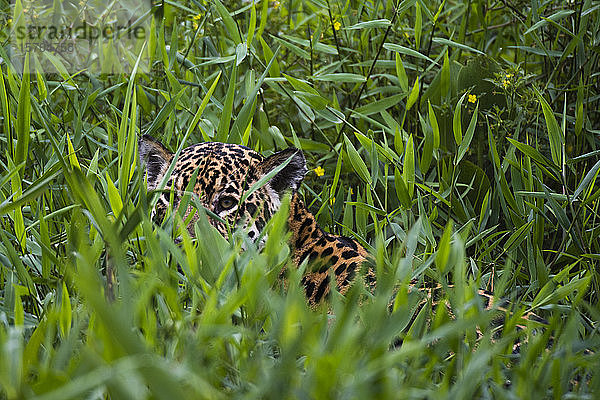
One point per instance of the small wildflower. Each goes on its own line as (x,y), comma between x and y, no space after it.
(276,4)
(337,25)
(319,171)
(505,83)
(351,192)
(508,76)
(406,35)
(332,200)
(472,98)
(197,16)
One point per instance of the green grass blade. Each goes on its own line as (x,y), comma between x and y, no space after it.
(357,162)
(555,135)
(230,26)
(408,172)
(457,121)
(23,116)
(466,142)
(225,121)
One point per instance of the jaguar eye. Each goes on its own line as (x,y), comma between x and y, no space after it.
(225,203)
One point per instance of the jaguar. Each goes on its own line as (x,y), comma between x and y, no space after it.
(224,178)
(224,174)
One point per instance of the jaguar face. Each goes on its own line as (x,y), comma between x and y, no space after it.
(225,175)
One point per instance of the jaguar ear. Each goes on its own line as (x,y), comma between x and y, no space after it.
(291,175)
(155,157)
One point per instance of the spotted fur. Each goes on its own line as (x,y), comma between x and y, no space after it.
(325,252)
(224,173)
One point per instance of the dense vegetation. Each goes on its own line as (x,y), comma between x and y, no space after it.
(458,140)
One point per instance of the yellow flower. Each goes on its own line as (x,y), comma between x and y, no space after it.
(197,16)
(472,98)
(506,83)
(351,191)
(332,200)
(276,4)
(319,171)
(337,25)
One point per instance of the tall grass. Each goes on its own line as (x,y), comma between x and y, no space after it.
(458,142)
